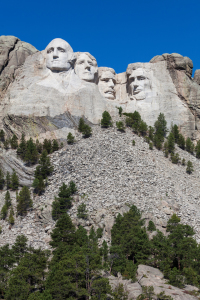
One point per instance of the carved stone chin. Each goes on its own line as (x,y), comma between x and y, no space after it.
(86,67)
(59,56)
(107,82)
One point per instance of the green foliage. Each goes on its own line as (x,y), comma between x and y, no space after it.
(64,200)
(0,229)
(161,126)
(99,233)
(47,146)
(151,226)
(151,132)
(162,296)
(70,138)
(120,109)
(87,131)
(175,158)
(6,144)
(55,146)
(38,185)
(120,126)
(2,135)
(31,153)
(133,142)
(24,201)
(175,132)
(2,180)
(119,293)
(106,120)
(7,199)
(39,147)
(82,211)
(8,181)
(44,168)
(171,143)
(147,293)
(197,149)
(151,146)
(143,128)
(4,212)
(14,181)
(81,125)
(189,168)
(14,142)
(11,219)
(181,141)
(183,162)
(21,150)
(189,146)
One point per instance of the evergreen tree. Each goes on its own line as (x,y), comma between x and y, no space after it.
(45,168)
(171,143)
(106,120)
(24,201)
(14,181)
(70,138)
(151,146)
(151,133)
(81,125)
(183,162)
(38,185)
(47,146)
(189,146)
(151,226)
(8,181)
(55,146)
(143,128)
(63,202)
(11,216)
(161,125)
(31,154)
(120,109)
(2,180)
(119,293)
(181,141)
(82,211)
(133,142)
(6,144)
(189,168)
(7,199)
(4,212)
(38,146)
(120,126)
(2,135)
(175,132)
(197,149)
(87,131)
(21,150)
(14,142)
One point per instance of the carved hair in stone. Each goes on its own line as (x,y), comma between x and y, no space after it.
(138,81)
(86,67)
(107,82)
(59,56)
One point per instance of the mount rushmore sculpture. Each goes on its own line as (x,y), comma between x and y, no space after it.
(47,93)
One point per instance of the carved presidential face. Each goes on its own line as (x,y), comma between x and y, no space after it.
(58,56)
(139,83)
(106,84)
(86,67)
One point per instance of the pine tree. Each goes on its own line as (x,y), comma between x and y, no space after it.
(106,120)
(14,181)
(31,154)
(189,168)
(189,146)
(87,131)
(2,180)
(38,185)
(181,141)
(151,132)
(11,216)
(8,181)
(197,149)
(55,146)
(45,168)
(70,138)
(47,146)
(151,226)
(6,144)
(7,199)
(2,135)
(4,212)
(81,125)
(120,126)
(175,132)
(38,146)
(120,109)
(14,142)
(24,201)
(143,128)
(21,150)
(82,211)
(171,143)
(161,125)
(183,162)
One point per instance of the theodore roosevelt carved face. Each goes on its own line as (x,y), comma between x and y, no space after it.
(107,82)
(59,55)
(86,67)
(139,83)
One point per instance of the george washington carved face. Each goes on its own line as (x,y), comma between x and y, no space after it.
(59,55)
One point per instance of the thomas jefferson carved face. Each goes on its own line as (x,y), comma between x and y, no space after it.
(58,56)
(139,83)
(86,67)
(107,83)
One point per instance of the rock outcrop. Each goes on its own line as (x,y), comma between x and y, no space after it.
(13,54)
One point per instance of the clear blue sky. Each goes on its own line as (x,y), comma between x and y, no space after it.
(116,32)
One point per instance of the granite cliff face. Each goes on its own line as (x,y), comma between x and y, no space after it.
(52,89)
